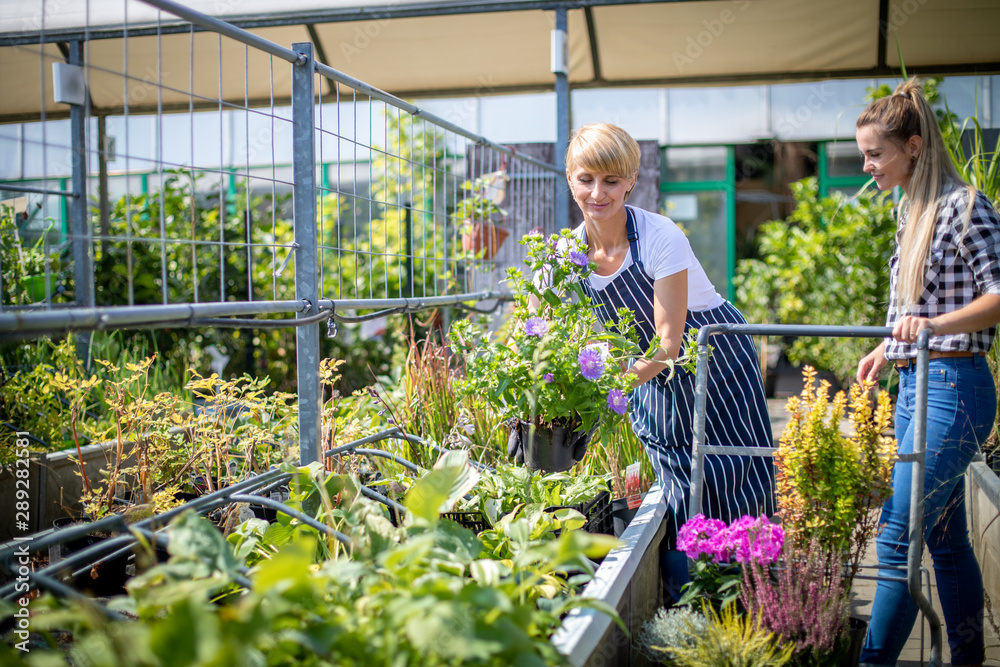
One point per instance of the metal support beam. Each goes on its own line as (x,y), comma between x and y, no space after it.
(306,271)
(83,261)
(560,67)
(104,205)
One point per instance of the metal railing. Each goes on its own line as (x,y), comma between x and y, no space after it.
(413,217)
(917,458)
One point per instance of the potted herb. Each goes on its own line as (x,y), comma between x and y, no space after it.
(554,375)
(482,228)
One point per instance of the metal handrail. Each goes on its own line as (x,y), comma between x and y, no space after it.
(698,447)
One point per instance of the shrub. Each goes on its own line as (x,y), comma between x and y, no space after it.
(829,483)
(807,604)
(668,629)
(733,640)
(828,263)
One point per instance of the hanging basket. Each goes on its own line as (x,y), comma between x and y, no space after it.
(553,448)
(483,238)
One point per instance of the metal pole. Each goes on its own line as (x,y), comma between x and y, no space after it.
(560,67)
(83,264)
(102,181)
(916,550)
(306,269)
(408,241)
(700,413)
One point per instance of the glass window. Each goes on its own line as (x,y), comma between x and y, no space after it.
(702,216)
(816,110)
(694,163)
(716,115)
(843,159)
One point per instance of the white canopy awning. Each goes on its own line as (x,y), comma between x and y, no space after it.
(425,48)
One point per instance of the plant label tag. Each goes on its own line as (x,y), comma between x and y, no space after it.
(632,475)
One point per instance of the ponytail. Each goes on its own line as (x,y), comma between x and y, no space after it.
(904,114)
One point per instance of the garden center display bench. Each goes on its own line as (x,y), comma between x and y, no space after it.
(628,580)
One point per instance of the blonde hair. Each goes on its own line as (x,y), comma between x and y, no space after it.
(605,149)
(898,117)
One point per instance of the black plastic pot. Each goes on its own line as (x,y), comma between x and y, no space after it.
(102,579)
(856,631)
(621,515)
(553,449)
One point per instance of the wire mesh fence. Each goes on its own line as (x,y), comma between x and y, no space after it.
(203,164)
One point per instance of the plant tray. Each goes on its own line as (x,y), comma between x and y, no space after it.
(598,513)
(474,521)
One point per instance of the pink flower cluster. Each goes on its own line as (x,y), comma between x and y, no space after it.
(748,539)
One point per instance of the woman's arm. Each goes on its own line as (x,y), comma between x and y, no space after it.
(981,314)
(670,314)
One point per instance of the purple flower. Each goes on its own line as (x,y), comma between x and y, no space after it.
(579,258)
(591,364)
(702,536)
(549,377)
(617,401)
(756,540)
(536,326)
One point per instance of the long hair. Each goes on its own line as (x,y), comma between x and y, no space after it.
(904,114)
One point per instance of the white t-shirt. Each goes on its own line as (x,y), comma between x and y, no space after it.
(663,251)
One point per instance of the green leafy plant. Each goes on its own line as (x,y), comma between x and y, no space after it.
(23,266)
(507,487)
(826,264)
(829,483)
(420,593)
(554,369)
(486,193)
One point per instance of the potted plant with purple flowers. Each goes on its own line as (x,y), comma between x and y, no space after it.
(558,373)
(719,552)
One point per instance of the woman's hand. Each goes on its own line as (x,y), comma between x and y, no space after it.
(909,326)
(869,367)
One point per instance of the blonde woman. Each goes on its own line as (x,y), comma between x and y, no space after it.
(944,276)
(645,264)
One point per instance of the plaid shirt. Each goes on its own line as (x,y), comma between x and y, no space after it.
(958,271)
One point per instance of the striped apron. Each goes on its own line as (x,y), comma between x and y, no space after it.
(662,411)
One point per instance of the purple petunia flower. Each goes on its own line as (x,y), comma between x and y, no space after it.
(549,377)
(617,401)
(536,326)
(579,258)
(591,364)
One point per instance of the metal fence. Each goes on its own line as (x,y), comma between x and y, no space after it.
(236,201)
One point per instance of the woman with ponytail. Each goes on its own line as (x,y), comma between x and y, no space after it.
(944,276)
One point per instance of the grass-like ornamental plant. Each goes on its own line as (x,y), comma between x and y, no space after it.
(733,640)
(829,483)
(557,367)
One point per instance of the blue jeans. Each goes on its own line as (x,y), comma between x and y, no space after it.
(961,407)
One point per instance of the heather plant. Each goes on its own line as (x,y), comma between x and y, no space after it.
(805,604)
(668,629)
(829,483)
(733,640)
(717,550)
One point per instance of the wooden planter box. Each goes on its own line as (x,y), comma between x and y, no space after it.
(54,487)
(982,493)
(628,580)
